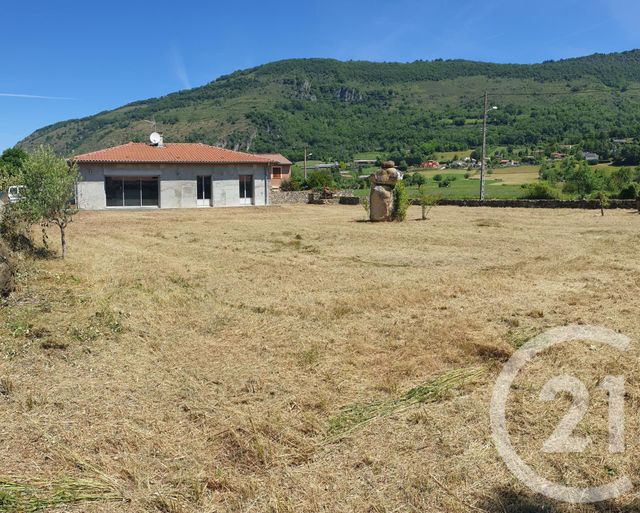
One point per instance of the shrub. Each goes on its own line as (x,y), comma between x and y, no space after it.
(539,190)
(603,197)
(295,183)
(447,181)
(427,202)
(629,192)
(319,179)
(437,178)
(365,204)
(400,202)
(416,179)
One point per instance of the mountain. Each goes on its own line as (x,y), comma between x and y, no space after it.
(339,108)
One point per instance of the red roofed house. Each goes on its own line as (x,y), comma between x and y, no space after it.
(176,175)
(280,171)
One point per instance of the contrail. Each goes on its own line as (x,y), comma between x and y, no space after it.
(34,96)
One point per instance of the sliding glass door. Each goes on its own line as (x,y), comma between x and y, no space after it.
(246,189)
(132,191)
(204,191)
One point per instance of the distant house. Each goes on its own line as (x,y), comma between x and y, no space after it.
(176,175)
(590,157)
(430,164)
(557,155)
(458,164)
(281,169)
(365,162)
(333,165)
(621,141)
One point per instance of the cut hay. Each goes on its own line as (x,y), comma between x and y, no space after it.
(17,496)
(359,415)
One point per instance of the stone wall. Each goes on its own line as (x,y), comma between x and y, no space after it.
(291,197)
(583,204)
(278,197)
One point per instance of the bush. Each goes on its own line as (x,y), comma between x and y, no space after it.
(437,178)
(400,202)
(416,179)
(629,192)
(447,181)
(295,183)
(539,190)
(319,180)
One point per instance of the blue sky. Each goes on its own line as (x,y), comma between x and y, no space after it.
(84,57)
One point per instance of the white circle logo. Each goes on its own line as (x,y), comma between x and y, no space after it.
(562,439)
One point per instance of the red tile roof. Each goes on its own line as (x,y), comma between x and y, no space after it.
(277,158)
(171,153)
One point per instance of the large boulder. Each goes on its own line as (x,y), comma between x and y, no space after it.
(381,203)
(385,176)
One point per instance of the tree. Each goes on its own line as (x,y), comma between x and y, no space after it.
(50,184)
(416,179)
(13,157)
(427,201)
(11,163)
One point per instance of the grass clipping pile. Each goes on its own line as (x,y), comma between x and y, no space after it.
(20,497)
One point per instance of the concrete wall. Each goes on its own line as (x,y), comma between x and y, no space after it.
(178,186)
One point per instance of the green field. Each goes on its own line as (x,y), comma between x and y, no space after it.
(450,155)
(463,189)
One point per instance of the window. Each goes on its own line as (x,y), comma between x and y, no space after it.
(132,191)
(276,172)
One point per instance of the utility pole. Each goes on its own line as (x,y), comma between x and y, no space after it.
(305,161)
(483,165)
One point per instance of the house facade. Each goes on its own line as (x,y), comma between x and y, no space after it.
(177,175)
(280,170)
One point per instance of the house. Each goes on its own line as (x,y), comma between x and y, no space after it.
(176,175)
(430,164)
(458,164)
(557,156)
(333,165)
(365,162)
(281,169)
(590,157)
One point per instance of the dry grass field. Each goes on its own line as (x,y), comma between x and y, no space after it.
(202,360)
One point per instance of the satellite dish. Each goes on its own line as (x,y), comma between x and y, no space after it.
(155,138)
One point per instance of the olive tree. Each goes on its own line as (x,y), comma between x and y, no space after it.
(49,188)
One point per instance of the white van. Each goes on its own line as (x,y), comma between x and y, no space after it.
(15,193)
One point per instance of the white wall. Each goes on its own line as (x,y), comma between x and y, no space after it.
(178,186)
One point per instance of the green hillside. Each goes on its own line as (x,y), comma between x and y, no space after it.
(341,108)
